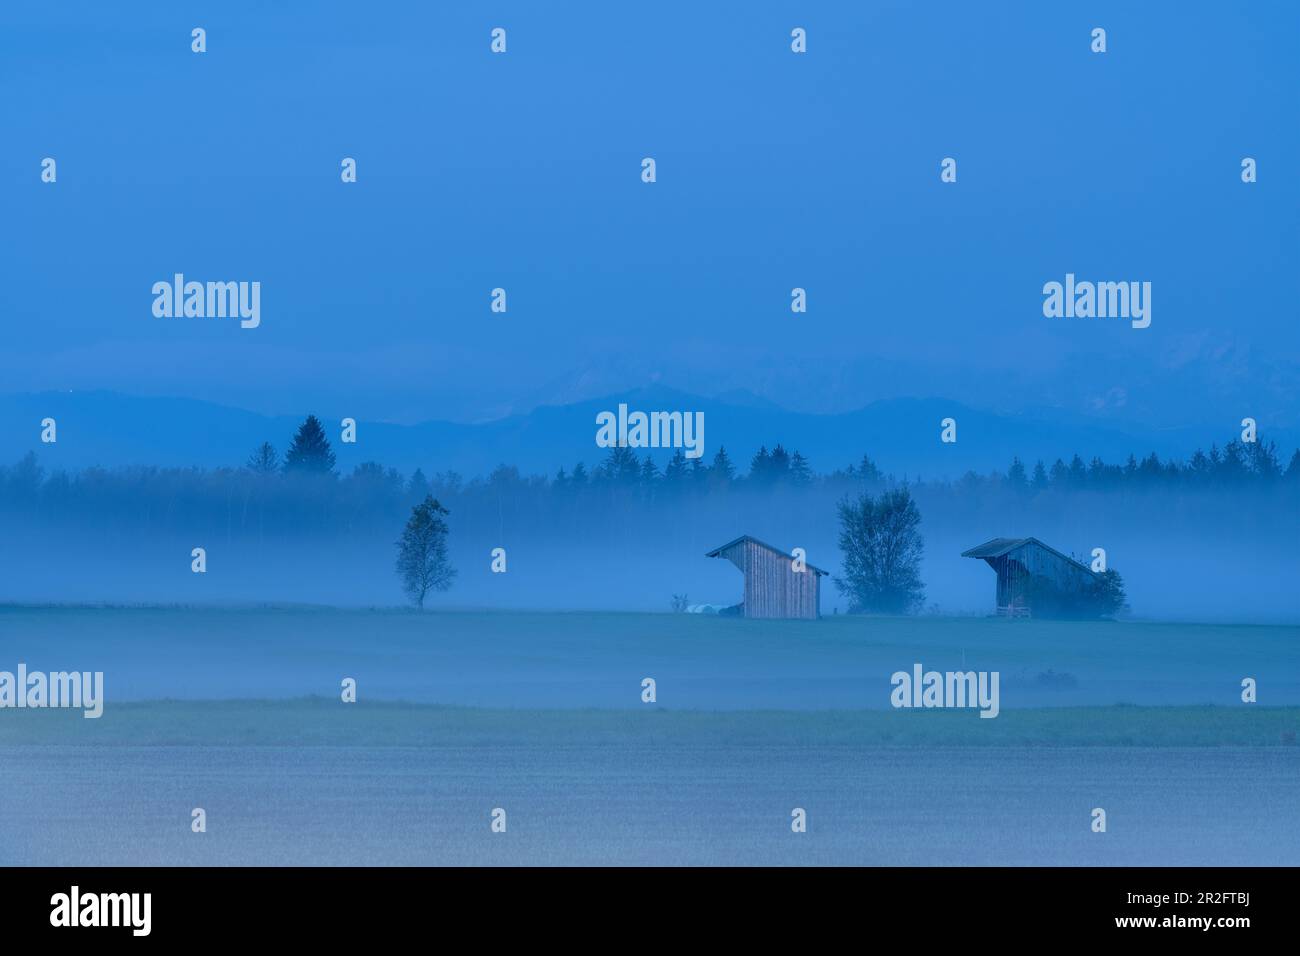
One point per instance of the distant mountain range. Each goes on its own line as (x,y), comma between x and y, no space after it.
(901,435)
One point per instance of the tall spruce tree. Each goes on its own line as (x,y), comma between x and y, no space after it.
(800,471)
(723,471)
(310,452)
(1016,477)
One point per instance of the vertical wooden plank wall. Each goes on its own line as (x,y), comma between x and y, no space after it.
(773,588)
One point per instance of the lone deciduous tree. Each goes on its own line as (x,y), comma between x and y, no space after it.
(263,460)
(310,451)
(882,547)
(422,552)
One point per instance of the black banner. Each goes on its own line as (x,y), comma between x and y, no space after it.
(360,905)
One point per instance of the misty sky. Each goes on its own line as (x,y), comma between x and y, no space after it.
(775,170)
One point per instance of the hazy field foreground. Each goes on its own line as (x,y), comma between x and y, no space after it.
(576,660)
(753,720)
(320,782)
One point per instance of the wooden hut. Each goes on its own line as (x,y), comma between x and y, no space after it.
(773,588)
(1032,575)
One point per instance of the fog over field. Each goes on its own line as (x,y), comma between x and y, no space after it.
(541,714)
(598,660)
(1189,549)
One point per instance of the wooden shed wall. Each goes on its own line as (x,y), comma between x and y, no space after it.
(1043,563)
(1016,568)
(772,587)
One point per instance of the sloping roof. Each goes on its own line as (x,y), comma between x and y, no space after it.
(717,552)
(995,548)
(999,547)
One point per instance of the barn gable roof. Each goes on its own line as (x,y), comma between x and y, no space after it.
(999,547)
(717,552)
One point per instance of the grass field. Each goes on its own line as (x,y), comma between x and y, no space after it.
(322,782)
(540,714)
(578,660)
(321,722)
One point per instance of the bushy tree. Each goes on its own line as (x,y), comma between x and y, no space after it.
(310,452)
(1103,597)
(422,562)
(1108,597)
(882,546)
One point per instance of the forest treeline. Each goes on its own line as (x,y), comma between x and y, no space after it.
(303,490)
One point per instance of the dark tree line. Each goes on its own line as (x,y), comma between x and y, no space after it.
(303,492)
(1238,463)
(624,499)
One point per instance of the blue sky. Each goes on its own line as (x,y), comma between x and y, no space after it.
(775,170)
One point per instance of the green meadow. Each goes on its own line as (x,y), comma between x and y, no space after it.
(238,711)
(321,722)
(583,660)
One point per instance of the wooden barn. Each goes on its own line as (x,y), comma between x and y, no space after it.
(1032,574)
(772,587)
